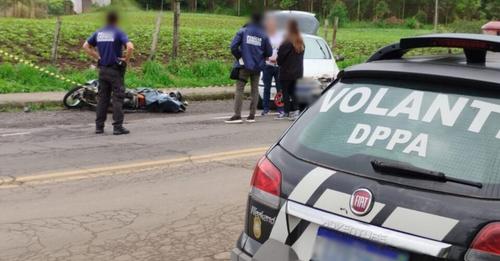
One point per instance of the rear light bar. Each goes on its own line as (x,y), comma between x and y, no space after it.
(486,245)
(266,183)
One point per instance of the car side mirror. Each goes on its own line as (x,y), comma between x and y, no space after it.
(339,58)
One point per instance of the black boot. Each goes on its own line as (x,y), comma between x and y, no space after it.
(120,131)
(99,130)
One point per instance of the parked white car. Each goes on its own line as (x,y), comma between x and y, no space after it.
(320,68)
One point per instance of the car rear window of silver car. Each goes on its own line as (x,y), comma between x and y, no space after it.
(450,129)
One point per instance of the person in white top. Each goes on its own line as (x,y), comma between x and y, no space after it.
(271,70)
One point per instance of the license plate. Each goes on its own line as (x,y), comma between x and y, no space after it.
(335,246)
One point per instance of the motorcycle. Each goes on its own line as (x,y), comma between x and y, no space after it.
(142,99)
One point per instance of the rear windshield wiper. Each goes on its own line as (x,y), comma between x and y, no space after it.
(407,170)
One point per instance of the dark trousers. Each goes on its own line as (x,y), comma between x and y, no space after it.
(246,76)
(111,85)
(268,74)
(289,97)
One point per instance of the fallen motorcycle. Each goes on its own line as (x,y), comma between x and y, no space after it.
(140,99)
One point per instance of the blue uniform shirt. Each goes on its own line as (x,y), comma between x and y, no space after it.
(109,42)
(252,45)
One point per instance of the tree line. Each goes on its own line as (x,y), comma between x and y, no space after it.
(353,10)
(346,10)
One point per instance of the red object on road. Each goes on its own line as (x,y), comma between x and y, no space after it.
(492,28)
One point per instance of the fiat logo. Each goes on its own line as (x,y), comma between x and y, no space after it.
(361,202)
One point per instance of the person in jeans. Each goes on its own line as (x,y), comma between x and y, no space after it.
(271,71)
(106,47)
(291,64)
(251,48)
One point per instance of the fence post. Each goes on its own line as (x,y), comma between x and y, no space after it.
(55,43)
(156,36)
(326,29)
(335,29)
(177,14)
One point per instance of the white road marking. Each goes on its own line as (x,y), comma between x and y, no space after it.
(227,117)
(14,134)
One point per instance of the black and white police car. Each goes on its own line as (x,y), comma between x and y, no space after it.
(399,160)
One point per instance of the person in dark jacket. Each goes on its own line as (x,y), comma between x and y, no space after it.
(291,64)
(251,48)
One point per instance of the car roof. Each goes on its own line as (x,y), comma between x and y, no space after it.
(449,69)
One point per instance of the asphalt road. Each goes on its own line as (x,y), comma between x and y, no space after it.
(175,189)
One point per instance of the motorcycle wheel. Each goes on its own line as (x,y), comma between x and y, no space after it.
(72,99)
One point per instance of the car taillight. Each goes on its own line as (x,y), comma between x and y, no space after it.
(488,240)
(267,177)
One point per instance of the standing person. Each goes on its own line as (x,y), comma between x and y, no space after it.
(251,48)
(291,64)
(109,42)
(271,69)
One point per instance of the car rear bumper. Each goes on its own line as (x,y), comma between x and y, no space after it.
(271,250)
(238,255)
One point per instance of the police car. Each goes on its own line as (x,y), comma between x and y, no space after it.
(399,160)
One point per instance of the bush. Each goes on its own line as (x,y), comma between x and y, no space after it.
(60,7)
(394,21)
(340,11)
(421,17)
(382,9)
(412,23)
(461,26)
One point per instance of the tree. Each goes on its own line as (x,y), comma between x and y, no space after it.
(382,10)
(340,11)
(468,9)
(492,9)
(288,4)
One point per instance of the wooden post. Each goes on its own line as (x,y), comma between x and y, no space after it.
(177,15)
(156,35)
(326,29)
(359,10)
(335,29)
(55,43)
(436,16)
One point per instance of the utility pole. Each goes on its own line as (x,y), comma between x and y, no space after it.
(177,16)
(436,16)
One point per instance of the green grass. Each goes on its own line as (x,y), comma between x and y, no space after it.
(22,78)
(204,55)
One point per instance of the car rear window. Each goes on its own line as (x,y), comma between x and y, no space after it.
(452,129)
(316,49)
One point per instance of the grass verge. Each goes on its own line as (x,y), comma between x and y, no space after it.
(22,78)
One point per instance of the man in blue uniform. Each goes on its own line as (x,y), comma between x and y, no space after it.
(251,48)
(106,47)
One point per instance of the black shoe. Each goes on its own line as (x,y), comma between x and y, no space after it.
(234,120)
(120,131)
(99,130)
(251,119)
